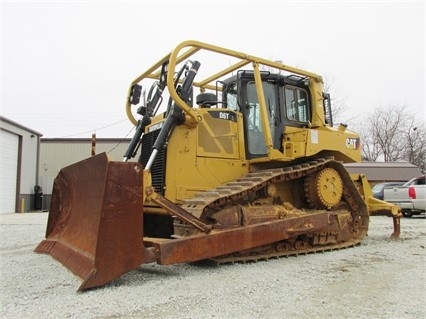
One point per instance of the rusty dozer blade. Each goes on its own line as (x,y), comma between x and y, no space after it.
(95,220)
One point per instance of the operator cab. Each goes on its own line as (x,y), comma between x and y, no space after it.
(287,102)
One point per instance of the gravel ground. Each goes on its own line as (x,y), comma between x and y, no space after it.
(381,278)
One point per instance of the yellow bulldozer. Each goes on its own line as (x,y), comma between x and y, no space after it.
(252,168)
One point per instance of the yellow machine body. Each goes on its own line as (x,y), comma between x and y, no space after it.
(241,163)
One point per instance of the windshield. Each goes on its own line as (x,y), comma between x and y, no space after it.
(416,181)
(377,188)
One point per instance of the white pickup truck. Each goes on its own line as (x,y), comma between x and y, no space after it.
(411,196)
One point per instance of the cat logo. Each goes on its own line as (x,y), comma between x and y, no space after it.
(353,143)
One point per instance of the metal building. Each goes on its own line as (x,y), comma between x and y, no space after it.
(56,153)
(19,149)
(378,172)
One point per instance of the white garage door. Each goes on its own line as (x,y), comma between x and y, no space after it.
(9,144)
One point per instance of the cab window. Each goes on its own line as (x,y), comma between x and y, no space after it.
(254,129)
(231,97)
(297,105)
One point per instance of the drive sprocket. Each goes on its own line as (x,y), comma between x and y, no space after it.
(324,189)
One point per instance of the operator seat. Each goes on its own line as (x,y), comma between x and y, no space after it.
(206,100)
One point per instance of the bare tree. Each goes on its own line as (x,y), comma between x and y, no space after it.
(370,150)
(393,134)
(387,127)
(415,150)
(340,114)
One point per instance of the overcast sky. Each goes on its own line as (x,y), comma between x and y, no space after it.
(66,65)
